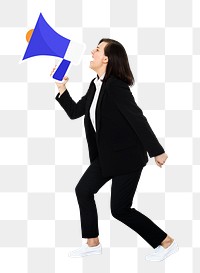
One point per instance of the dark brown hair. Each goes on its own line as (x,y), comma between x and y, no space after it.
(118,64)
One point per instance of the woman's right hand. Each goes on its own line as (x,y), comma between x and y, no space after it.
(61,85)
(160,159)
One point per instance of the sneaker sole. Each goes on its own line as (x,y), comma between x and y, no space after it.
(84,255)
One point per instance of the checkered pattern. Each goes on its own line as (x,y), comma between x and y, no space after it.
(43,153)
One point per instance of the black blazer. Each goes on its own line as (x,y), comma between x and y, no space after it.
(123,135)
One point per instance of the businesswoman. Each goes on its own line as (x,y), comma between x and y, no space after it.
(118,137)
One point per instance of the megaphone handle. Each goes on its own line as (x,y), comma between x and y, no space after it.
(61,70)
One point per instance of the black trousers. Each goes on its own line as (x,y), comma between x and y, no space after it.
(122,192)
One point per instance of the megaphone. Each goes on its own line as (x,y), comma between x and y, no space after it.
(43,40)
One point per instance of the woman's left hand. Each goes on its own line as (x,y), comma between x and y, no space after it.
(160,159)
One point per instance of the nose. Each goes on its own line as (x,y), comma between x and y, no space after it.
(93,51)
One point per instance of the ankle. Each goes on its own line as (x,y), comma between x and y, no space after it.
(167,242)
(93,242)
(91,245)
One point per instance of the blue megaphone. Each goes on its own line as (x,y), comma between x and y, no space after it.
(43,40)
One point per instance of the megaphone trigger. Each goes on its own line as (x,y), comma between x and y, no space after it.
(61,70)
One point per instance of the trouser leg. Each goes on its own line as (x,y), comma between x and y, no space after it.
(89,184)
(122,193)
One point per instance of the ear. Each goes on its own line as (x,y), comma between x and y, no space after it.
(105,60)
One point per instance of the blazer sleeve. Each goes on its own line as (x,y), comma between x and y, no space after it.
(73,109)
(121,95)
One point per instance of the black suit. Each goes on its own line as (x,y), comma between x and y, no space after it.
(123,136)
(118,150)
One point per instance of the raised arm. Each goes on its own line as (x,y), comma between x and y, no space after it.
(73,109)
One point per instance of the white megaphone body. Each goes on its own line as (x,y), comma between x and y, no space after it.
(43,40)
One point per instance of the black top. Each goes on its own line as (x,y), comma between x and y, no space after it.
(123,135)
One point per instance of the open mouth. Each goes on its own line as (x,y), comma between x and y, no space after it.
(92,59)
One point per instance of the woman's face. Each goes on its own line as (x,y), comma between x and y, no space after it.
(99,60)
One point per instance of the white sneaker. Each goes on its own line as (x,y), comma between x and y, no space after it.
(160,253)
(85,250)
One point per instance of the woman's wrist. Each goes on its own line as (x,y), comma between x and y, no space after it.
(62,89)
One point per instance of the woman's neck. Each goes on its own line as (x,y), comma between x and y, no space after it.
(101,72)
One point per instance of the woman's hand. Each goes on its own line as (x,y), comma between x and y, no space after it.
(160,159)
(61,85)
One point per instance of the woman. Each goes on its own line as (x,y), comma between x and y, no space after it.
(119,137)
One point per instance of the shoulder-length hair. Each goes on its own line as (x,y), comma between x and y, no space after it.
(118,64)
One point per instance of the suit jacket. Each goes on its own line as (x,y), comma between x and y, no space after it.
(123,135)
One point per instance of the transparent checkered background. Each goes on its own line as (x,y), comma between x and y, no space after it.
(43,153)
